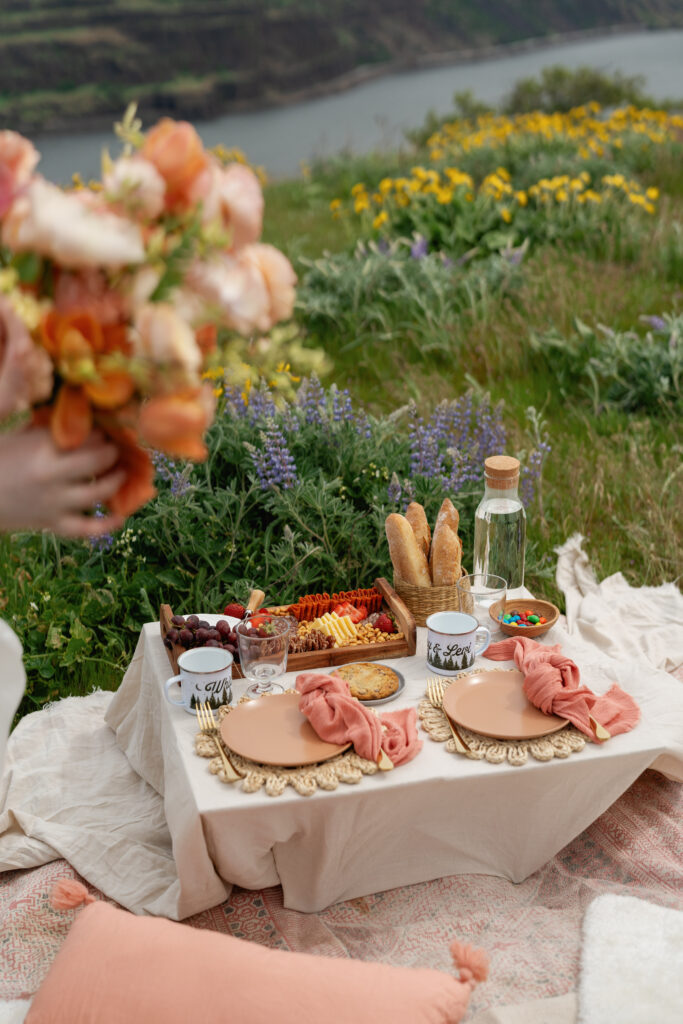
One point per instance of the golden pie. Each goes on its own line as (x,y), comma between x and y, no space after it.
(369,681)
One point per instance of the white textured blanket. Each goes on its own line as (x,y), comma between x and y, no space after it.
(631,963)
(638,624)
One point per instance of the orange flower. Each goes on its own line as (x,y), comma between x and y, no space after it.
(175,424)
(205,337)
(177,152)
(82,351)
(138,487)
(71,418)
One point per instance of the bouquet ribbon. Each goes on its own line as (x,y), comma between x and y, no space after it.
(551,682)
(337,717)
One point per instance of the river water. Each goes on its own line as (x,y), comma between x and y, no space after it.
(374,115)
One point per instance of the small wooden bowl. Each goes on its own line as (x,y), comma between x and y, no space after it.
(522,604)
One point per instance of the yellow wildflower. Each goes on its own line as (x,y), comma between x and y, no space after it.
(358,189)
(652,193)
(444,196)
(362,203)
(505,214)
(561,195)
(335,205)
(386,185)
(521,198)
(381,218)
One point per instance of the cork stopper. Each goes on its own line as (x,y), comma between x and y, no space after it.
(502,472)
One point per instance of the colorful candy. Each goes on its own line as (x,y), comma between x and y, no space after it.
(524,619)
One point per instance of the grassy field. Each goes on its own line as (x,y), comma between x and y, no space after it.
(526,270)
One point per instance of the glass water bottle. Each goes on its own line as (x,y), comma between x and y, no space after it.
(500,523)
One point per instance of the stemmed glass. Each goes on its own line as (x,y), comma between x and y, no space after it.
(478,592)
(263,653)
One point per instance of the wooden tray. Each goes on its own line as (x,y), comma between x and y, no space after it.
(332,655)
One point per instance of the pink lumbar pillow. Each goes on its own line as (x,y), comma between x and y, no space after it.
(115,968)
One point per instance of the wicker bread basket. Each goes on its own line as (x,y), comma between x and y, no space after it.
(424,601)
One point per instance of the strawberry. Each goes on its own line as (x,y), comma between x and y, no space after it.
(235,611)
(385,624)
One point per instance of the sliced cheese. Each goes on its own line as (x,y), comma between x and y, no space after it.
(339,627)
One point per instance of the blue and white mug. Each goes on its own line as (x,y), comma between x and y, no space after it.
(454,639)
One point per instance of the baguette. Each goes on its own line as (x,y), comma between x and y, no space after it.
(446,556)
(407,557)
(415,514)
(449,514)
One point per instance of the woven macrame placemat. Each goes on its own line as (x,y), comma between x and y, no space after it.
(347,767)
(483,748)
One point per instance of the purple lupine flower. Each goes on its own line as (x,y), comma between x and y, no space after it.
(657,323)
(274,463)
(383,246)
(180,481)
(419,248)
(342,407)
(105,541)
(394,489)
(258,404)
(530,475)
(452,445)
(311,399)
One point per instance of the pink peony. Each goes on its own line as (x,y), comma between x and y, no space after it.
(18,159)
(233,196)
(88,292)
(279,278)
(133,185)
(163,337)
(70,228)
(233,290)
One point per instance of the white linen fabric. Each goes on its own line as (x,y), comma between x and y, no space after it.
(12,682)
(558,1010)
(640,624)
(631,962)
(13,1011)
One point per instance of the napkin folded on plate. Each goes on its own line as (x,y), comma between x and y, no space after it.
(551,682)
(337,717)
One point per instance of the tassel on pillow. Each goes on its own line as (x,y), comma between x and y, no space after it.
(67,894)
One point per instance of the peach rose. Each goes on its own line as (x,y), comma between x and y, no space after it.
(88,292)
(134,185)
(162,337)
(233,291)
(18,159)
(71,229)
(232,195)
(279,278)
(177,152)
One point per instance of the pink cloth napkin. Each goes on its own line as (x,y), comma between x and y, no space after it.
(337,717)
(551,682)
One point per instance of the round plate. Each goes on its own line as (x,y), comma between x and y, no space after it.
(377,700)
(493,703)
(272,730)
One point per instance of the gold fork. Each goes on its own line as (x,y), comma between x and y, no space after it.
(435,698)
(207,723)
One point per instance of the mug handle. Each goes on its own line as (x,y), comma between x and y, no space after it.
(483,637)
(167,686)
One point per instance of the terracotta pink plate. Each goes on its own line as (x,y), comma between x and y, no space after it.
(493,703)
(272,730)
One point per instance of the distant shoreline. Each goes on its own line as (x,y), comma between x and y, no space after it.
(360,76)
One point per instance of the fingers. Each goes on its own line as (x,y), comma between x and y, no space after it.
(98,492)
(87,526)
(93,458)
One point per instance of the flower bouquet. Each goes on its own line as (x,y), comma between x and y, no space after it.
(122,284)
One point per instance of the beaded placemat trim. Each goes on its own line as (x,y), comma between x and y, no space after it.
(483,748)
(347,767)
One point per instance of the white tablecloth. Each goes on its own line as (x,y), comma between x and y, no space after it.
(439,815)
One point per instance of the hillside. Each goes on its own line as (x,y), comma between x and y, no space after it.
(73,65)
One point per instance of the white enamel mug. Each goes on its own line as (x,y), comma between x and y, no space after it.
(454,639)
(205,675)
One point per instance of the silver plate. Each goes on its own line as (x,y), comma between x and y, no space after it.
(378,700)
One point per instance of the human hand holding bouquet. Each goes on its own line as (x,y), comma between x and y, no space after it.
(121,286)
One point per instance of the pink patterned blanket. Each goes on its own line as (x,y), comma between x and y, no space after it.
(531,931)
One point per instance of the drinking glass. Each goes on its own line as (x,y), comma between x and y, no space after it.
(263,653)
(478,592)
